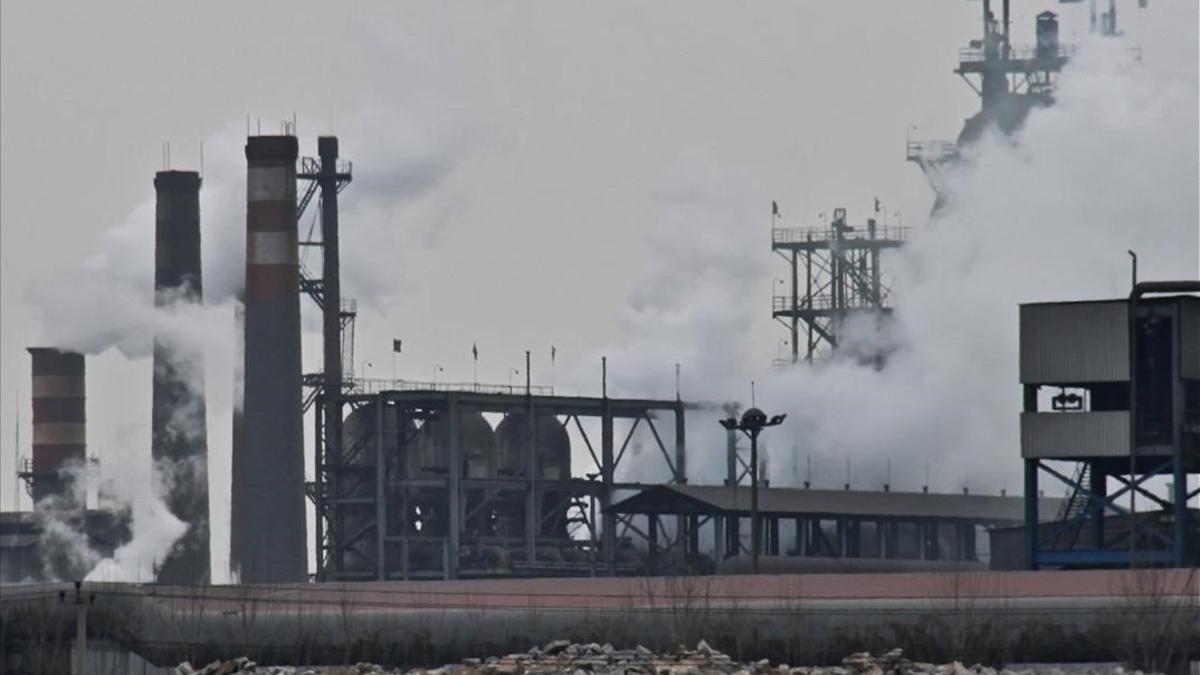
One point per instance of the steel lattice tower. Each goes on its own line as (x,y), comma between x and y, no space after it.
(835,273)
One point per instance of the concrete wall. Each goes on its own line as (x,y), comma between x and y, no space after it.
(797,619)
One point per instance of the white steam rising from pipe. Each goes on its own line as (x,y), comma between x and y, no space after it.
(1044,215)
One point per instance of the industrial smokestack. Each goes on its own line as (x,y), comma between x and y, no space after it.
(59,424)
(270,520)
(180,443)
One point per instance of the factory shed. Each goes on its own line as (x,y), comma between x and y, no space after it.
(789,502)
(842,524)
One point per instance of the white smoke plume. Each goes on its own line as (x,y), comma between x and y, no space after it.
(403,142)
(138,493)
(130,497)
(1044,215)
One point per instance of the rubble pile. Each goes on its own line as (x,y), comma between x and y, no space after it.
(562,657)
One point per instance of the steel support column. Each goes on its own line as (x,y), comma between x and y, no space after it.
(609,533)
(454,486)
(652,530)
(795,306)
(1098,486)
(531,473)
(380,485)
(1031,513)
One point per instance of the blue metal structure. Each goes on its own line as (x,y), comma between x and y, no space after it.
(1127,411)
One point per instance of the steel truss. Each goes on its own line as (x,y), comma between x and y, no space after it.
(840,270)
(365,497)
(1096,529)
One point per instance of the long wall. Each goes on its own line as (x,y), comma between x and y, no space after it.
(987,617)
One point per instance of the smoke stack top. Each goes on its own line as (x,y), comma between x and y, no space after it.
(177,231)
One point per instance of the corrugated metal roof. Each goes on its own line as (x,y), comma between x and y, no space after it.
(802,502)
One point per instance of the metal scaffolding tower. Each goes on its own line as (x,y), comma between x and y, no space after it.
(329,176)
(835,273)
(1009,81)
(418,486)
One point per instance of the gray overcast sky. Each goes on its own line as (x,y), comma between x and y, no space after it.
(551,124)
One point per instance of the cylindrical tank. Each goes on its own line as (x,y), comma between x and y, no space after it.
(358,437)
(476,440)
(552,444)
(553,448)
(359,450)
(477,448)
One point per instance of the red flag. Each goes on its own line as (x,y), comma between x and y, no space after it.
(396,345)
(475,351)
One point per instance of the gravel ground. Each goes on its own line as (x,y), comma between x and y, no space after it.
(562,657)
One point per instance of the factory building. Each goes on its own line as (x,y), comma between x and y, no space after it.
(1112,405)
(419,485)
(810,530)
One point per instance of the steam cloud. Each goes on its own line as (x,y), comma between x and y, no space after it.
(1044,215)
(408,147)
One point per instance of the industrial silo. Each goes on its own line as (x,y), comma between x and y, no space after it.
(358,453)
(552,446)
(431,456)
(476,440)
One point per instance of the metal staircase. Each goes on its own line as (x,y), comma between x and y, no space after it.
(1075,510)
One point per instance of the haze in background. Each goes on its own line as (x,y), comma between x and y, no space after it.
(593,178)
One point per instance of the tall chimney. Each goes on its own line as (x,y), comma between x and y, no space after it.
(270,520)
(59,423)
(180,437)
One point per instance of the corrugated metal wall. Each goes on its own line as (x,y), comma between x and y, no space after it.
(1189,347)
(1065,343)
(1067,435)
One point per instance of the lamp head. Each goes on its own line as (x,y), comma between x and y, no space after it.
(753,418)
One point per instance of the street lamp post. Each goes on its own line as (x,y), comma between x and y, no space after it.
(752,423)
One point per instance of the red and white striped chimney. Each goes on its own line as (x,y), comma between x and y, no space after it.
(59,423)
(269,519)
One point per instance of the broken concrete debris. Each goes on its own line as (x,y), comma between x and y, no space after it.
(563,657)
